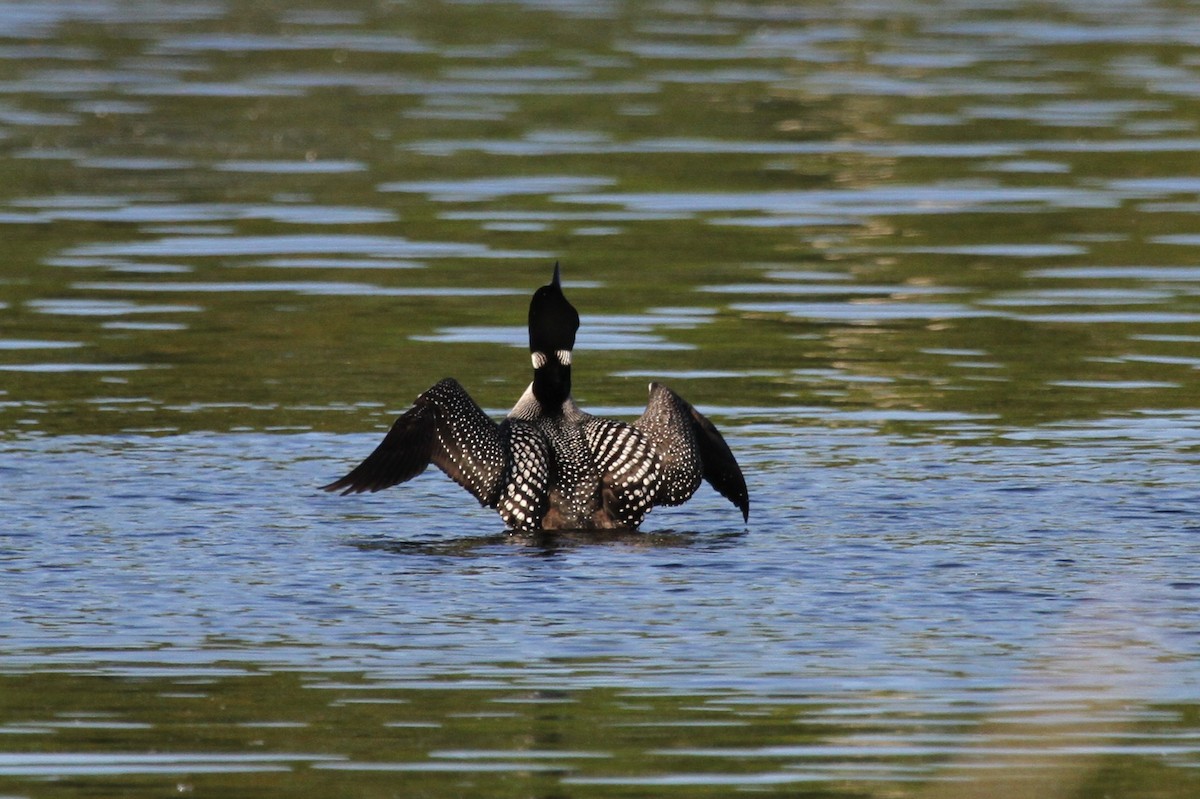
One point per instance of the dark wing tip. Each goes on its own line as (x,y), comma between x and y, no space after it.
(402,455)
(350,484)
(729,483)
(721,468)
(338,485)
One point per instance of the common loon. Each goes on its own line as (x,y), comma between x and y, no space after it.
(549,465)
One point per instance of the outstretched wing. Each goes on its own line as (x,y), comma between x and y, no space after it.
(691,447)
(444,427)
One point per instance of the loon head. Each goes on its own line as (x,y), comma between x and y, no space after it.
(552,325)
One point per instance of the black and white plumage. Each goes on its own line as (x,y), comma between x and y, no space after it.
(550,465)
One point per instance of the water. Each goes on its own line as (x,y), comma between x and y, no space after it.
(936,279)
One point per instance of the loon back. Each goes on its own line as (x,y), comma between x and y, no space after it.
(550,465)
(605,473)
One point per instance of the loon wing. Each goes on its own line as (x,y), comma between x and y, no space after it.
(444,427)
(628,466)
(691,447)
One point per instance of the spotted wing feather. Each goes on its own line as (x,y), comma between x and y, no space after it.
(523,496)
(629,471)
(691,448)
(444,427)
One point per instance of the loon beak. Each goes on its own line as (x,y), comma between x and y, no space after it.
(555,281)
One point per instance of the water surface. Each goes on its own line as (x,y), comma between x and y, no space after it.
(936,280)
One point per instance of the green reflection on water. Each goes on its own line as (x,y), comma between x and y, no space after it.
(383,95)
(142,730)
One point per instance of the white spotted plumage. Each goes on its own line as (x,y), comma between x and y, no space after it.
(550,465)
(628,465)
(523,499)
(568,469)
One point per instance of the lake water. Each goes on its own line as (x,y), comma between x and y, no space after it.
(934,268)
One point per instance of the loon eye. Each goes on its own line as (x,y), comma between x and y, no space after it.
(539,359)
(564,357)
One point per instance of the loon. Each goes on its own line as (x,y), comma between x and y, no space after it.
(550,465)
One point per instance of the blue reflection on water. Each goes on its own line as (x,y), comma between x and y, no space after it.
(889,559)
(892,589)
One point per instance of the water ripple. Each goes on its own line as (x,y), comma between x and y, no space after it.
(78,764)
(317,287)
(478,189)
(297,244)
(931,278)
